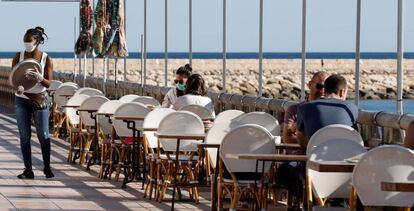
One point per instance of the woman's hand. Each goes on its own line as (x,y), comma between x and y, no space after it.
(20,90)
(34,76)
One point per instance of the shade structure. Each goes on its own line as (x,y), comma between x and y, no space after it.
(400,56)
(303,67)
(357,52)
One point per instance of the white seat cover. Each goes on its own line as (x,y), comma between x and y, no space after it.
(128,98)
(333,185)
(71,112)
(246,139)
(64,90)
(263,119)
(54,85)
(333,132)
(228,115)
(146,100)
(180,123)
(216,135)
(91,103)
(199,110)
(132,109)
(108,107)
(384,164)
(152,120)
(70,84)
(89,91)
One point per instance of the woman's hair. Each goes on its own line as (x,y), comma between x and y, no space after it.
(185,71)
(195,85)
(38,34)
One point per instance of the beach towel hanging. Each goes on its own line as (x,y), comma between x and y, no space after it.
(102,26)
(84,41)
(116,43)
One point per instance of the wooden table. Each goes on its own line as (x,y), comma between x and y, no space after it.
(89,110)
(181,136)
(149,129)
(129,118)
(331,166)
(70,106)
(284,146)
(398,186)
(105,114)
(269,157)
(66,95)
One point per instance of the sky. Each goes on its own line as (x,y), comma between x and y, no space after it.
(330,27)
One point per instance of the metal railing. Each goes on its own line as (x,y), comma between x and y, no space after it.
(375,127)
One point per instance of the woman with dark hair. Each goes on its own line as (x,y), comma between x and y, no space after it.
(33,103)
(181,76)
(195,93)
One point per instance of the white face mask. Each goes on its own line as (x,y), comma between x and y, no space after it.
(30,46)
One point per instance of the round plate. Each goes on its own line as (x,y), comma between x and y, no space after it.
(17,77)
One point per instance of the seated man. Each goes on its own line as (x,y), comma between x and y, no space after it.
(290,174)
(332,109)
(316,90)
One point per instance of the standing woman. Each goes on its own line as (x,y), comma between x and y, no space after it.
(34,103)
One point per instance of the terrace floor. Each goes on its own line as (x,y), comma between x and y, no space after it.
(73,188)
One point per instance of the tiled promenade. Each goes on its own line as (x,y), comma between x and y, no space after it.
(73,188)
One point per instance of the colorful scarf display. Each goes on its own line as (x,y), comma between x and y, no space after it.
(117,43)
(84,41)
(99,34)
(109,36)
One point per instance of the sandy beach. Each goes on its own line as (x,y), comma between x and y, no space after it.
(281,76)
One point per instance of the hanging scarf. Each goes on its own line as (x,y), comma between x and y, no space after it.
(116,42)
(84,41)
(99,34)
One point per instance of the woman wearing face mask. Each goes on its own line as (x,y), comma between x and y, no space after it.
(181,76)
(33,103)
(195,94)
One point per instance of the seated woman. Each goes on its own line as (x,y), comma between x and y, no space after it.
(195,93)
(181,76)
(409,136)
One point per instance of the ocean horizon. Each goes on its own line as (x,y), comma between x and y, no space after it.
(372,105)
(242,55)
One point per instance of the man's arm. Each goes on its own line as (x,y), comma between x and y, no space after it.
(289,126)
(302,140)
(289,133)
(300,133)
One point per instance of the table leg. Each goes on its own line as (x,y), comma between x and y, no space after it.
(133,165)
(174,172)
(214,197)
(262,195)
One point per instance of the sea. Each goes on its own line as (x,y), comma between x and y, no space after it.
(373,105)
(244,55)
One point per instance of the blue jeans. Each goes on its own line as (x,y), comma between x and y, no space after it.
(24,114)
